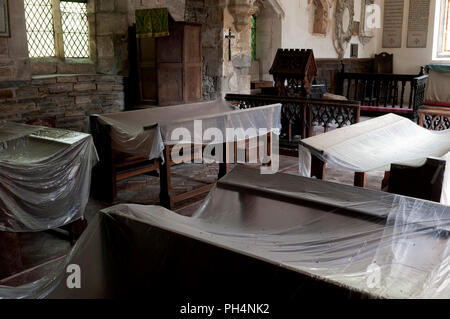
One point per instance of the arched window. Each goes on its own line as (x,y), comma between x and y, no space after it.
(57,28)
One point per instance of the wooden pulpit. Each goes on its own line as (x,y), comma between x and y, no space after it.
(294,71)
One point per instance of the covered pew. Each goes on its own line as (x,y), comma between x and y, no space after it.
(45,176)
(381,93)
(373,145)
(306,238)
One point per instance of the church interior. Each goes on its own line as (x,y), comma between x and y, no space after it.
(189,150)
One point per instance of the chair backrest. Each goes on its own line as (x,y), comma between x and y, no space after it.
(423,182)
(384,63)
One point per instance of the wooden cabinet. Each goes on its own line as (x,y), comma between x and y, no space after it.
(170,68)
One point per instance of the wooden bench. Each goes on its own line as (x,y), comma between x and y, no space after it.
(434,118)
(379,94)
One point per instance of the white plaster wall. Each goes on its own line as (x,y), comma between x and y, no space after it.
(409,60)
(297,32)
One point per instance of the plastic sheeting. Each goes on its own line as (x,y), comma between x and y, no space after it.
(145,132)
(45,176)
(369,242)
(375,144)
(437,87)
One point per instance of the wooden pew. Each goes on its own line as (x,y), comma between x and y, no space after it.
(385,93)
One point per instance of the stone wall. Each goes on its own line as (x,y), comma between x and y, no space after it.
(14,61)
(210,14)
(69,99)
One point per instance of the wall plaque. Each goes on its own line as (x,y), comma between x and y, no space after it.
(393,23)
(419,10)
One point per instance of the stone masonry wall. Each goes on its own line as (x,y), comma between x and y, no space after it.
(210,14)
(70,99)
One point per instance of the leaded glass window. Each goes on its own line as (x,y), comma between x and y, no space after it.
(75,29)
(40,28)
(46,19)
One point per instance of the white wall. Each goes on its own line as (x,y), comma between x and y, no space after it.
(409,60)
(298,26)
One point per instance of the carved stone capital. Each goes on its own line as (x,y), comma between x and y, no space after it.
(242,10)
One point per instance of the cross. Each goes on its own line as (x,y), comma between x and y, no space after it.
(229,36)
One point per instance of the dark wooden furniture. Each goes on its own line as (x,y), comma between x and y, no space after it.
(113,166)
(300,115)
(423,182)
(10,247)
(384,63)
(329,69)
(294,72)
(170,68)
(434,118)
(402,94)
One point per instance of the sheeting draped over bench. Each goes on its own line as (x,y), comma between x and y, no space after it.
(145,132)
(438,89)
(45,176)
(286,229)
(375,144)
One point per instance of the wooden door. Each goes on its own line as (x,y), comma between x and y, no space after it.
(192,63)
(170,66)
(147,71)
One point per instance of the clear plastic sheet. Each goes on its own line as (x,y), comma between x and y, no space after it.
(45,176)
(145,132)
(375,144)
(437,87)
(369,242)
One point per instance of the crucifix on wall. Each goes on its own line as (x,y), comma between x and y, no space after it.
(229,36)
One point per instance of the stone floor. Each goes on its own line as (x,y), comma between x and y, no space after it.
(43,251)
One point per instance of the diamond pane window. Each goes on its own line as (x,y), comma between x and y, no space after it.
(75,29)
(40,28)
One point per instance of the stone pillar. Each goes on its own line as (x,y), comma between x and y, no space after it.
(210,14)
(236,77)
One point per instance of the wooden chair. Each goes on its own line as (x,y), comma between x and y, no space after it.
(383,63)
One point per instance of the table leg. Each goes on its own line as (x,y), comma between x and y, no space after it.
(360,179)
(10,256)
(318,167)
(164,180)
(385,181)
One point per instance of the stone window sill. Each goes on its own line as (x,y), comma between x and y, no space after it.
(44,66)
